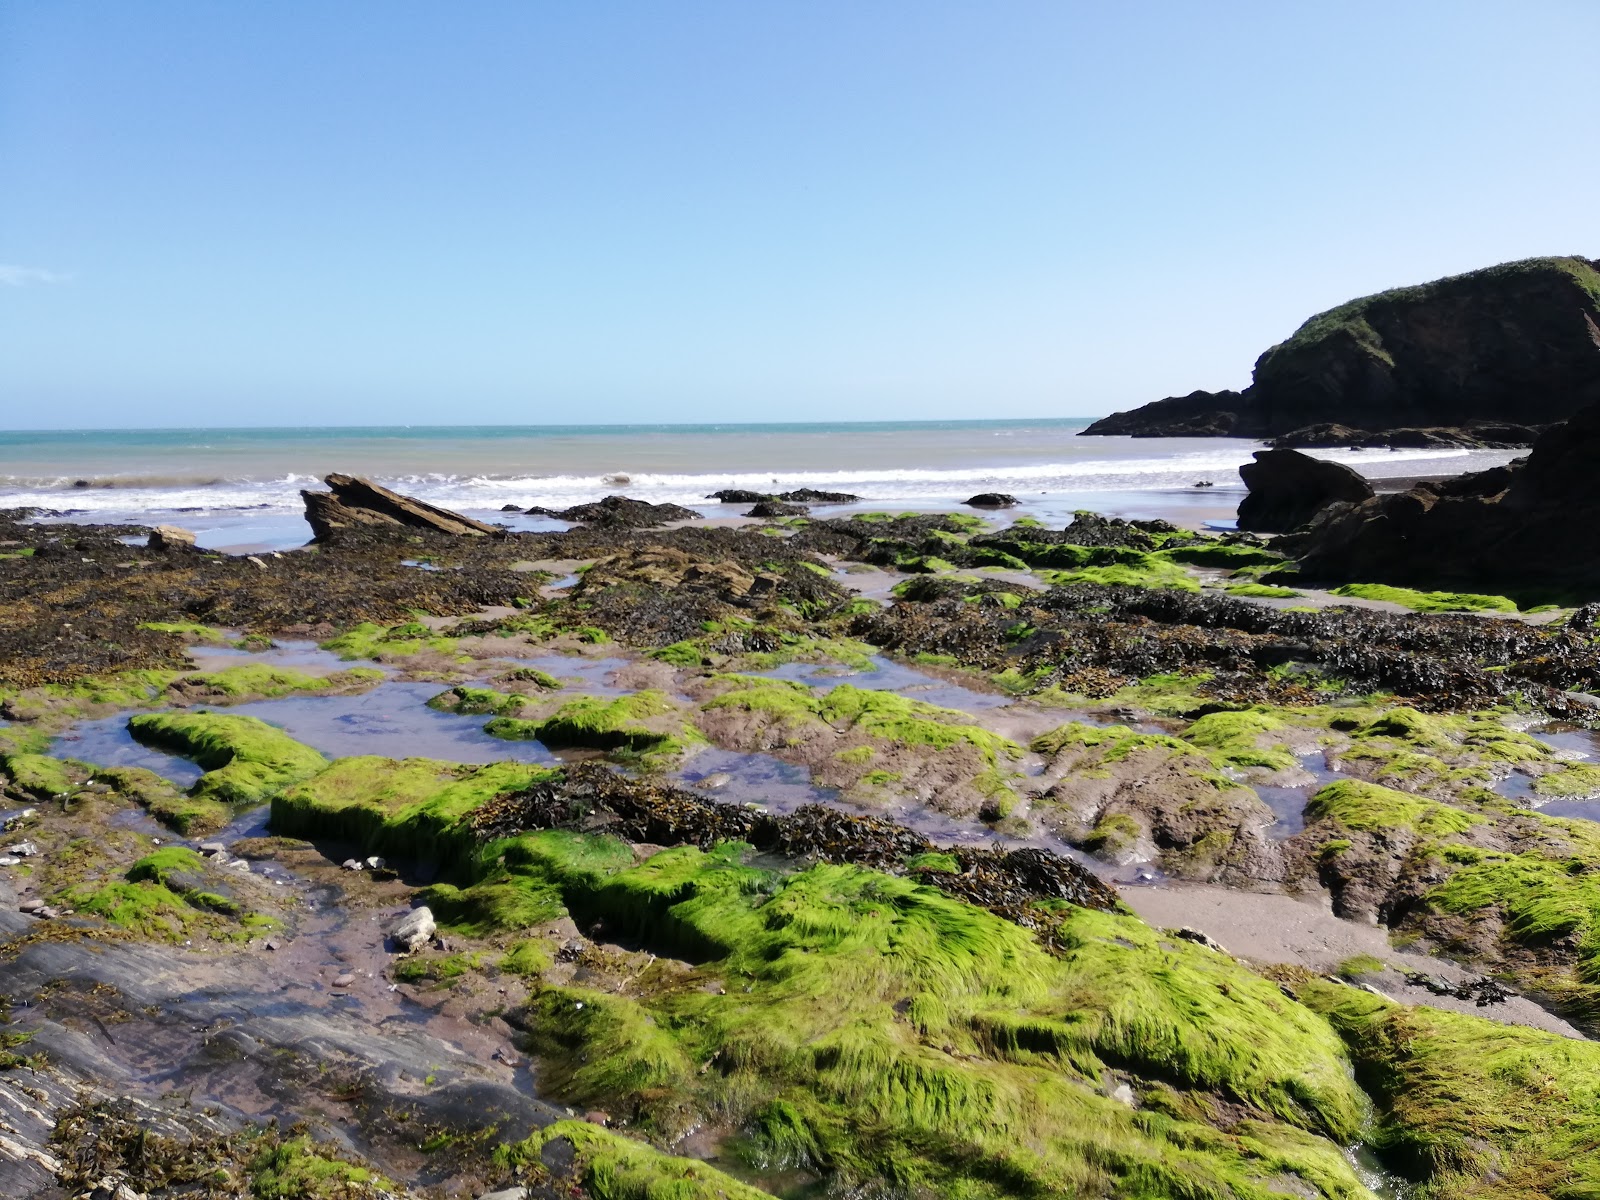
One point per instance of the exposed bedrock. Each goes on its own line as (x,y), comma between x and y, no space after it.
(353,503)
(1524,528)
(1288,488)
(1461,360)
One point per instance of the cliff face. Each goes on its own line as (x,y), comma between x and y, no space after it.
(1530,527)
(1513,344)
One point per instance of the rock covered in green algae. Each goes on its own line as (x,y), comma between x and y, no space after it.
(1472,1108)
(246,761)
(868,1028)
(1128,796)
(860,739)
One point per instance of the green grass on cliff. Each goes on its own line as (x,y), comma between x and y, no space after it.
(1350,319)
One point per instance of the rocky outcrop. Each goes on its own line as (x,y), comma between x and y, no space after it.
(1509,346)
(798,496)
(620,512)
(1479,435)
(1288,488)
(991,500)
(168,537)
(777,508)
(354,503)
(1528,527)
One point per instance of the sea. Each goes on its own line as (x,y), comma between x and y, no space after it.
(239,489)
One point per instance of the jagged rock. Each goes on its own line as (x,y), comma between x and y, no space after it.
(1534,524)
(620,512)
(990,500)
(1509,346)
(354,503)
(777,508)
(1288,488)
(415,930)
(812,496)
(740,496)
(170,537)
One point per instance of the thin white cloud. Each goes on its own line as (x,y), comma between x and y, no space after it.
(14,276)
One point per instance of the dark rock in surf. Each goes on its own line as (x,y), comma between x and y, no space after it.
(812,496)
(620,512)
(1288,488)
(990,500)
(777,508)
(354,503)
(739,496)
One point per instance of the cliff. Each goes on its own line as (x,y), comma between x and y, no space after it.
(1480,357)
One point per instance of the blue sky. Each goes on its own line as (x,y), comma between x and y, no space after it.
(261,214)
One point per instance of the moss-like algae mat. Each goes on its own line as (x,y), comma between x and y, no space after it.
(857,1025)
(1473,1108)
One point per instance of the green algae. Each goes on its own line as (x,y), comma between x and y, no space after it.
(871,1028)
(1426,601)
(527,958)
(645,723)
(1221,554)
(479,701)
(266,681)
(408,807)
(877,714)
(159,896)
(614,1167)
(209,634)
(1233,739)
(1470,1107)
(246,761)
(1262,591)
(1153,572)
(1368,808)
(380,643)
(37,775)
(1569,781)
(297,1170)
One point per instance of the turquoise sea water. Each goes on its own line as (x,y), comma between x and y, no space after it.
(241,486)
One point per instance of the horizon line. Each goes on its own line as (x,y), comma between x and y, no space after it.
(587,426)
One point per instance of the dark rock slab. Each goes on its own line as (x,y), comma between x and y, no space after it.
(990,500)
(354,503)
(620,512)
(1288,488)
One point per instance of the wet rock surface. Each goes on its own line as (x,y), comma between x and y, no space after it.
(1173,733)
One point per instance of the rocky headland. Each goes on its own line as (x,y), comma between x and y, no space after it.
(654,858)
(1482,359)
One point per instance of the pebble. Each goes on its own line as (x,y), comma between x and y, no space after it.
(715,781)
(271,943)
(344,981)
(24,849)
(31,905)
(9,860)
(414,931)
(375,863)
(212,849)
(351,864)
